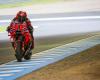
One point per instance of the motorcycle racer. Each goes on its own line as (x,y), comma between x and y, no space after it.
(21,17)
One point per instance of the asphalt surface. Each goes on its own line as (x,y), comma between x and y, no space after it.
(59,27)
(68,14)
(54,28)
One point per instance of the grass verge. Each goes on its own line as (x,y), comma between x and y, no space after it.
(3,29)
(18,4)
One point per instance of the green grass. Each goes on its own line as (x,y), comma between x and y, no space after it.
(3,29)
(18,4)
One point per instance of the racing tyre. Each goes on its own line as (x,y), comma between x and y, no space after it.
(28,56)
(18,54)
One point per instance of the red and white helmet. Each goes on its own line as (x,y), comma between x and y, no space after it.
(21,14)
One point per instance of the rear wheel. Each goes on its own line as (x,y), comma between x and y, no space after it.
(28,52)
(28,56)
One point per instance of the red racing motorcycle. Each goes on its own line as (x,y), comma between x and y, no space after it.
(21,41)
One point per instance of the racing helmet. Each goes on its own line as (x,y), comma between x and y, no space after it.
(21,16)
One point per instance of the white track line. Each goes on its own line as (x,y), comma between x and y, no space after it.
(10,71)
(5,75)
(10,68)
(59,18)
(15,65)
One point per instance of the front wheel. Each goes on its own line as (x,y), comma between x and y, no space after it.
(18,51)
